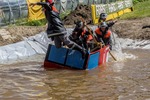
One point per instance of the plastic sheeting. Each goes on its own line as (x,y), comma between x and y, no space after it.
(34,45)
(37,44)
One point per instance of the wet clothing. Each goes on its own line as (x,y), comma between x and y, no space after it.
(55,30)
(104,37)
(55,25)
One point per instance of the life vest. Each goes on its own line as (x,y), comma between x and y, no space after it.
(106,35)
(54,9)
(89,38)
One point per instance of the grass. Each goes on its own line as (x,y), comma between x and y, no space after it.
(141,9)
(63,14)
(25,22)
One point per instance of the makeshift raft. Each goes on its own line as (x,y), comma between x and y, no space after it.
(68,58)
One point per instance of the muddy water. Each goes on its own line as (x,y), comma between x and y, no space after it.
(128,79)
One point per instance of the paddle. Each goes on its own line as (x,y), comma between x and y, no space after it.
(109,51)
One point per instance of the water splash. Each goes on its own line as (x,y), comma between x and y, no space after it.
(118,45)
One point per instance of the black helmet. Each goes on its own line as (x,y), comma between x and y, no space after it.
(103,16)
(79,24)
(103,24)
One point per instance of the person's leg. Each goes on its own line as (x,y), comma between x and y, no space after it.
(61,39)
(75,46)
(57,41)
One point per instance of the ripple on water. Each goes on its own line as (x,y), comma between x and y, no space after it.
(119,80)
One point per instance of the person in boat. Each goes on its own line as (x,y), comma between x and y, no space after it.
(80,35)
(55,30)
(103,34)
(103,17)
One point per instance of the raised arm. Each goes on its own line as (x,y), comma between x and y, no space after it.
(40,4)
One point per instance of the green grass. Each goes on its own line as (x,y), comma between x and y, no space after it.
(25,22)
(141,9)
(63,14)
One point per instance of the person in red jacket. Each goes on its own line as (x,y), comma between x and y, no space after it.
(104,34)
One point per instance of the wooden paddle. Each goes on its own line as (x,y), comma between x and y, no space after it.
(109,51)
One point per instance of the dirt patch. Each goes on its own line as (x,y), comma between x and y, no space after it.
(83,11)
(16,33)
(133,29)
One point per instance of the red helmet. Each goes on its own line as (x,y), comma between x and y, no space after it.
(50,1)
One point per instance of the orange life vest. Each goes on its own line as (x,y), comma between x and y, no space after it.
(90,37)
(107,35)
(54,9)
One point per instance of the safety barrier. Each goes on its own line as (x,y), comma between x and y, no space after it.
(113,10)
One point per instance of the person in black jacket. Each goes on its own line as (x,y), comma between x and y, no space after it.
(55,30)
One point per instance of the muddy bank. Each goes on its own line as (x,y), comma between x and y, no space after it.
(133,29)
(13,34)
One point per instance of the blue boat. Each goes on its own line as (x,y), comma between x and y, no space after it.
(68,58)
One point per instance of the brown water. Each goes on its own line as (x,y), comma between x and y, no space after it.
(122,80)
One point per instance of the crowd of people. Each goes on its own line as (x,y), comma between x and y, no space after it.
(81,38)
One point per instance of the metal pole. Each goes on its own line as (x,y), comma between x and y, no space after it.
(19,8)
(10,13)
